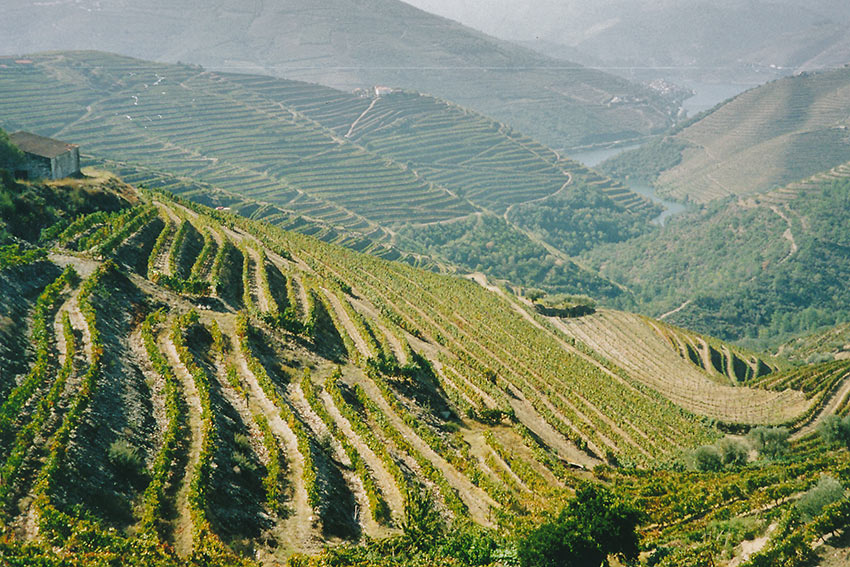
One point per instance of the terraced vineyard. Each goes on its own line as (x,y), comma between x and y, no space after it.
(210,388)
(646,349)
(350,170)
(779,133)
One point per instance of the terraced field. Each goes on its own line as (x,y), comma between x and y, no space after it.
(645,349)
(210,388)
(350,170)
(773,135)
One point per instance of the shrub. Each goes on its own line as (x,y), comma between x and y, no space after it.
(825,492)
(733,452)
(422,526)
(770,442)
(834,429)
(594,525)
(707,458)
(126,459)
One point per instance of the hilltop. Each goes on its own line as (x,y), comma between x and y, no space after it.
(352,45)
(762,139)
(401,175)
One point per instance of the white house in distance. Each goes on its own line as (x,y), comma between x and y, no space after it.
(46,157)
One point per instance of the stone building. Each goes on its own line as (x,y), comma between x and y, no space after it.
(46,157)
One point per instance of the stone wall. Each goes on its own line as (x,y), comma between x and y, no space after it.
(66,164)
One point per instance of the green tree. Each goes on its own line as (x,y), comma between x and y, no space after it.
(834,429)
(827,491)
(10,155)
(770,442)
(707,458)
(595,524)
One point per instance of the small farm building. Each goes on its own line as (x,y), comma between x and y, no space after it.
(46,157)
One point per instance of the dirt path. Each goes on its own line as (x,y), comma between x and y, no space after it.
(676,310)
(787,235)
(297,531)
(829,408)
(478,502)
(751,547)
(161,263)
(363,514)
(383,478)
(343,317)
(256,291)
(360,305)
(183,527)
(359,118)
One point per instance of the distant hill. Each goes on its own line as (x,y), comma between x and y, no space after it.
(354,44)
(762,139)
(754,40)
(390,168)
(753,270)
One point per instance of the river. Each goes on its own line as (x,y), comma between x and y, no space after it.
(592,158)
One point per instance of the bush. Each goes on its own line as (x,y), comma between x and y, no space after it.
(126,459)
(770,442)
(825,492)
(422,525)
(834,429)
(733,452)
(594,525)
(470,544)
(707,458)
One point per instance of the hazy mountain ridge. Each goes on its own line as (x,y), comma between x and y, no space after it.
(770,136)
(358,44)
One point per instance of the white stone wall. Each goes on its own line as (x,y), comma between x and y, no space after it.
(66,164)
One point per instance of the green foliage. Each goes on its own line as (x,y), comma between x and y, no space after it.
(733,451)
(645,163)
(736,268)
(835,429)
(422,526)
(10,155)
(487,243)
(708,458)
(593,525)
(770,442)
(16,255)
(470,544)
(828,490)
(126,459)
(153,499)
(581,218)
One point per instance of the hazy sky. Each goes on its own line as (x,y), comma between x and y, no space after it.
(574,19)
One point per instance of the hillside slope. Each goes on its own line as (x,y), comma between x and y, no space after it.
(207,389)
(758,269)
(385,168)
(765,138)
(355,44)
(701,39)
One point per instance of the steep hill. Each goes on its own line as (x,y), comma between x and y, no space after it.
(758,269)
(765,138)
(385,168)
(349,45)
(207,389)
